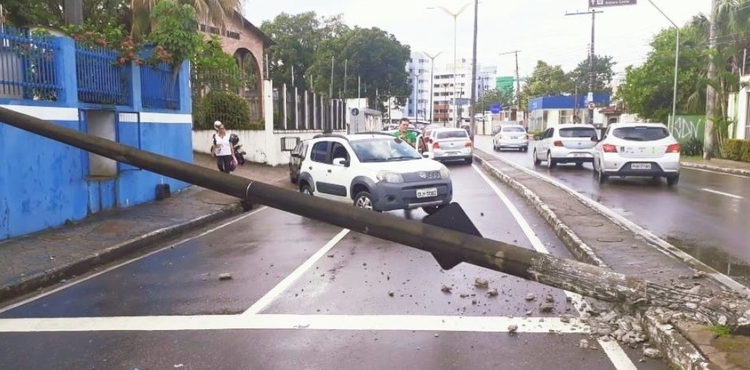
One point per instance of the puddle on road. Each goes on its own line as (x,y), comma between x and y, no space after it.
(719,260)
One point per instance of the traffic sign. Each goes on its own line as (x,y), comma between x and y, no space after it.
(591,105)
(355,111)
(496,108)
(608,3)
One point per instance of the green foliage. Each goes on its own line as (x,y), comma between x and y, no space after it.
(215,70)
(737,150)
(48,13)
(229,108)
(488,98)
(174,32)
(647,90)
(691,146)
(602,72)
(546,80)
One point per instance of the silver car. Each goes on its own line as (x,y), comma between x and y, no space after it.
(511,137)
(566,143)
(448,144)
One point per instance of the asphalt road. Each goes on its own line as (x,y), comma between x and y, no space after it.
(704,215)
(306,295)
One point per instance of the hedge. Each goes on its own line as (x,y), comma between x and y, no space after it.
(737,150)
(229,108)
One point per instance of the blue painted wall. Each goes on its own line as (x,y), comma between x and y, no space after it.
(43,183)
(566,102)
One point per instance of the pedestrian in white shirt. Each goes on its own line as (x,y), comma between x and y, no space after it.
(222,148)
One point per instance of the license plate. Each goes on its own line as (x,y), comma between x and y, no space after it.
(579,155)
(427,193)
(640,166)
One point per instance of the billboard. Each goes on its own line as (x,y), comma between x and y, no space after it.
(608,3)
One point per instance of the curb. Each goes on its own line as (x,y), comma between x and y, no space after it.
(679,350)
(733,171)
(86,264)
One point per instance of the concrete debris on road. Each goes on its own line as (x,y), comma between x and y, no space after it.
(651,352)
(512,328)
(492,292)
(481,283)
(391,293)
(546,307)
(225,276)
(584,343)
(446,289)
(530,297)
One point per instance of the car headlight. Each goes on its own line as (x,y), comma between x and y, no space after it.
(390,177)
(444,173)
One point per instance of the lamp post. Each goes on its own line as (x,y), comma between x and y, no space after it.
(676,62)
(432,80)
(455,46)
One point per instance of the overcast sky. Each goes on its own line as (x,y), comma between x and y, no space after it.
(538,28)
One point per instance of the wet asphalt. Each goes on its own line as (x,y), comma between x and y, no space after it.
(694,215)
(359,277)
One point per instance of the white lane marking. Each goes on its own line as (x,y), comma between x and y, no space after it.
(721,193)
(78,281)
(296,274)
(616,354)
(715,172)
(660,244)
(293,321)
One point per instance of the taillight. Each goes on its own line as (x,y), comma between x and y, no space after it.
(674,148)
(468,144)
(558,143)
(609,148)
(435,145)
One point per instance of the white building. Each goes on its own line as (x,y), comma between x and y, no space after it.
(440,88)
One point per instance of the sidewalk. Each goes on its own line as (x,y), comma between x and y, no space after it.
(47,257)
(718,165)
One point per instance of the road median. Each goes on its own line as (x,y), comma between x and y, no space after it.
(598,237)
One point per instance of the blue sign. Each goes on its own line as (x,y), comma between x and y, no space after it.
(495,108)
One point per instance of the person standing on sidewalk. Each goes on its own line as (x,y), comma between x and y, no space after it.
(222,148)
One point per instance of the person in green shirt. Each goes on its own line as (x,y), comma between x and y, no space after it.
(404,134)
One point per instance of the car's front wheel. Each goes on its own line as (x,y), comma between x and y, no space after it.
(363,200)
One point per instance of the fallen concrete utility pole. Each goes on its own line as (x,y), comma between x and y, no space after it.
(588,280)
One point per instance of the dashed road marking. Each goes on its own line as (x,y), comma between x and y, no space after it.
(722,193)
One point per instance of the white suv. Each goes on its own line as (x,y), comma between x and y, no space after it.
(639,150)
(566,143)
(374,171)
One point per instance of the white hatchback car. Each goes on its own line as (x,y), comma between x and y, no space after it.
(637,150)
(450,144)
(565,143)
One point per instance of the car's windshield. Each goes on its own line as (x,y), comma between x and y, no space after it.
(586,132)
(452,134)
(383,150)
(641,133)
(513,129)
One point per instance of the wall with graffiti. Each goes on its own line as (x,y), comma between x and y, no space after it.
(686,127)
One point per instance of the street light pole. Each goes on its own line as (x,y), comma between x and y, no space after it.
(676,63)
(472,118)
(432,81)
(455,57)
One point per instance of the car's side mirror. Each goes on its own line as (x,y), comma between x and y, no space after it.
(340,162)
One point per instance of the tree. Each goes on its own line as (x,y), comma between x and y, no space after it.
(298,38)
(49,13)
(371,53)
(504,97)
(546,80)
(602,71)
(647,90)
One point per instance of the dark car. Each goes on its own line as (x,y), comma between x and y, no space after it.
(298,155)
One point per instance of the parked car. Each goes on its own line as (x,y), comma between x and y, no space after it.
(637,150)
(373,171)
(428,130)
(295,162)
(511,136)
(566,143)
(450,144)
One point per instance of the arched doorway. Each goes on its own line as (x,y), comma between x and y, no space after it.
(252,86)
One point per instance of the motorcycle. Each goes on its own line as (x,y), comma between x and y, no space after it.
(237,149)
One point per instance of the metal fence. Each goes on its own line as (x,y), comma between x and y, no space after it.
(304,110)
(159,87)
(27,65)
(100,79)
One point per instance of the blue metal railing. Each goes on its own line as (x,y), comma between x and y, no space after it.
(27,65)
(160,87)
(101,80)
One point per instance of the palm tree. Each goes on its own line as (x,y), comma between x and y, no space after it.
(214,12)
